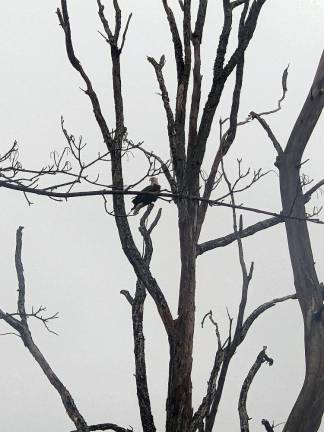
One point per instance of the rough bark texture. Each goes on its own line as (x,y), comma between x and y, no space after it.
(311,397)
(179,402)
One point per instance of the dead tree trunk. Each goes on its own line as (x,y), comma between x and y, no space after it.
(179,402)
(311,397)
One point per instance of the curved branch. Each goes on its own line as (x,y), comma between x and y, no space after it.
(65,24)
(262,308)
(244,418)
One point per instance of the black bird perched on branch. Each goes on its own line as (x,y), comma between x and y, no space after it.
(142,199)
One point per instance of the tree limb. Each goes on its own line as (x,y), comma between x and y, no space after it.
(23,329)
(230,238)
(20,276)
(65,24)
(308,116)
(267,128)
(209,406)
(244,418)
(137,319)
(308,194)
(225,143)
(107,426)
(114,145)
(267,425)
(252,229)
(262,308)
(221,73)
(168,111)
(177,44)
(123,215)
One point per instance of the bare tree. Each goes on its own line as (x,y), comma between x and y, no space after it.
(189,121)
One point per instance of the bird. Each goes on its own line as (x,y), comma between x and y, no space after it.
(142,199)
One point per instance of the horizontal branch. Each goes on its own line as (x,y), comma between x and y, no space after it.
(105,192)
(107,426)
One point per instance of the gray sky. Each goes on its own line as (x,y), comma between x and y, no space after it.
(72,258)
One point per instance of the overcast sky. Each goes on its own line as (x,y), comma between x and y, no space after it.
(72,257)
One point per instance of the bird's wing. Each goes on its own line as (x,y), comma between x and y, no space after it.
(138,197)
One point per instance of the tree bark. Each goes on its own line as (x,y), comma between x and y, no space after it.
(307,412)
(179,402)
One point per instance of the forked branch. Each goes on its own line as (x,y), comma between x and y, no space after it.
(21,326)
(137,304)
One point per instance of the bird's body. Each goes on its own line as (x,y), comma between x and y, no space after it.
(143,199)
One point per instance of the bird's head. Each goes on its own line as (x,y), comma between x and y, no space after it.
(154,180)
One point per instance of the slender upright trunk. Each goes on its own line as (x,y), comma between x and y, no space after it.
(179,402)
(308,410)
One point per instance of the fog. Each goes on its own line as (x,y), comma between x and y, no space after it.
(72,257)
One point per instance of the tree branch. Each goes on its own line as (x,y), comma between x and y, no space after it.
(143,396)
(230,238)
(284,91)
(308,116)
(164,165)
(252,229)
(262,308)
(20,276)
(225,143)
(209,406)
(267,425)
(309,193)
(123,215)
(65,24)
(177,44)
(114,146)
(168,111)
(197,77)
(267,128)
(244,418)
(221,73)
(23,329)
(107,426)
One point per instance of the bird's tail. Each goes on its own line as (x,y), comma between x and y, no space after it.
(137,208)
